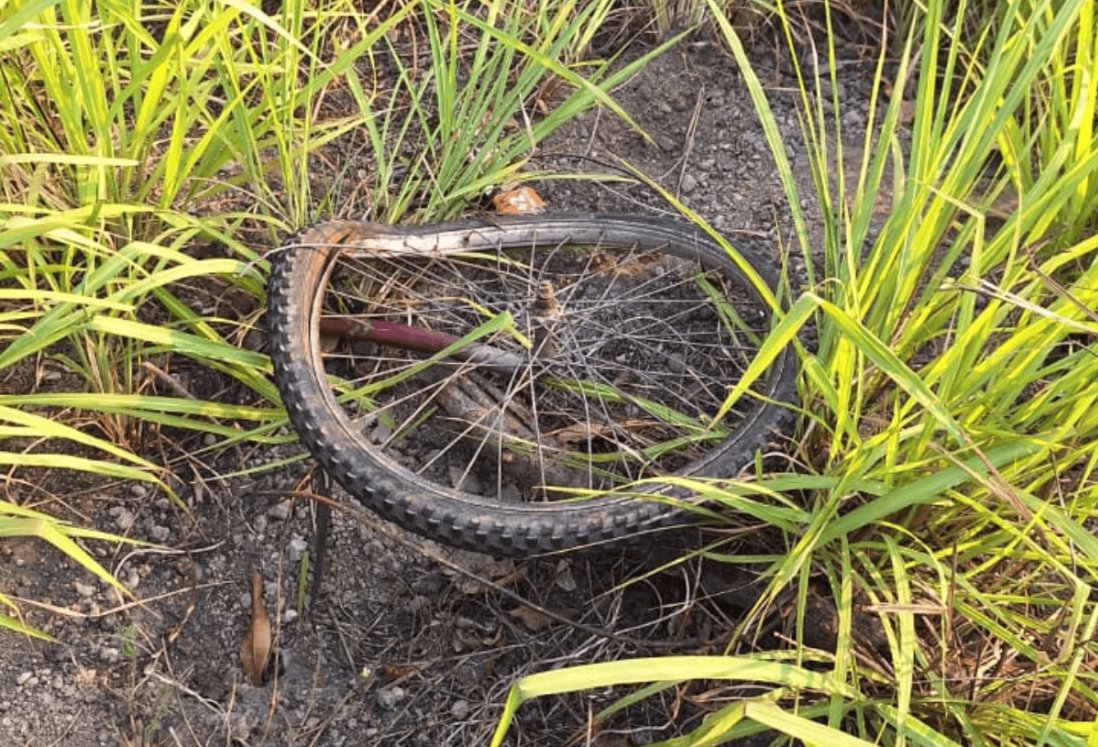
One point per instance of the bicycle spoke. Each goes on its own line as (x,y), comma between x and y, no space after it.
(613,364)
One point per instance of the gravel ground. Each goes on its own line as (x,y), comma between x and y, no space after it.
(402,646)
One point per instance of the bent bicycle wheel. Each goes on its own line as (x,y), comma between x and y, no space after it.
(523,385)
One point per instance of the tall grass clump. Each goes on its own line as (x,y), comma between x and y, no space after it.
(485,85)
(150,151)
(950,398)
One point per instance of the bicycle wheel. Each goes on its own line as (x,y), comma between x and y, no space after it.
(502,386)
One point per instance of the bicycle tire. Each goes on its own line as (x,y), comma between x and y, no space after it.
(456,517)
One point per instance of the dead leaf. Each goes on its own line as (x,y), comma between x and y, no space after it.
(535,620)
(464,640)
(564,578)
(394,672)
(632,266)
(578,433)
(521,201)
(907,112)
(255,649)
(501,572)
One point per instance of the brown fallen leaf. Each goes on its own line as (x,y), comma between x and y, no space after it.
(399,671)
(563,576)
(577,433)
(521,201)
(501,572)
(535,620)
(255,649)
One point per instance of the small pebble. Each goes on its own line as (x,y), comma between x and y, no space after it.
(389,697)
(84,590)
(853,120)
(298,546)
(125,519)
(240,726)
(23,677)
(137,490)
(689,184)
(459,710)
(159,533)
(289,615)
(279,511)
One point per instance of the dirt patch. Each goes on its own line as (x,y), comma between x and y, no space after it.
(400,648)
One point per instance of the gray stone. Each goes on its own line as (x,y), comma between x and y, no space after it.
(298,546)
(469,483)
(279,511)
(125,519)
(389,697)
(459,711)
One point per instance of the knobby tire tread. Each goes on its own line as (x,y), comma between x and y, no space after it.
(465,520)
